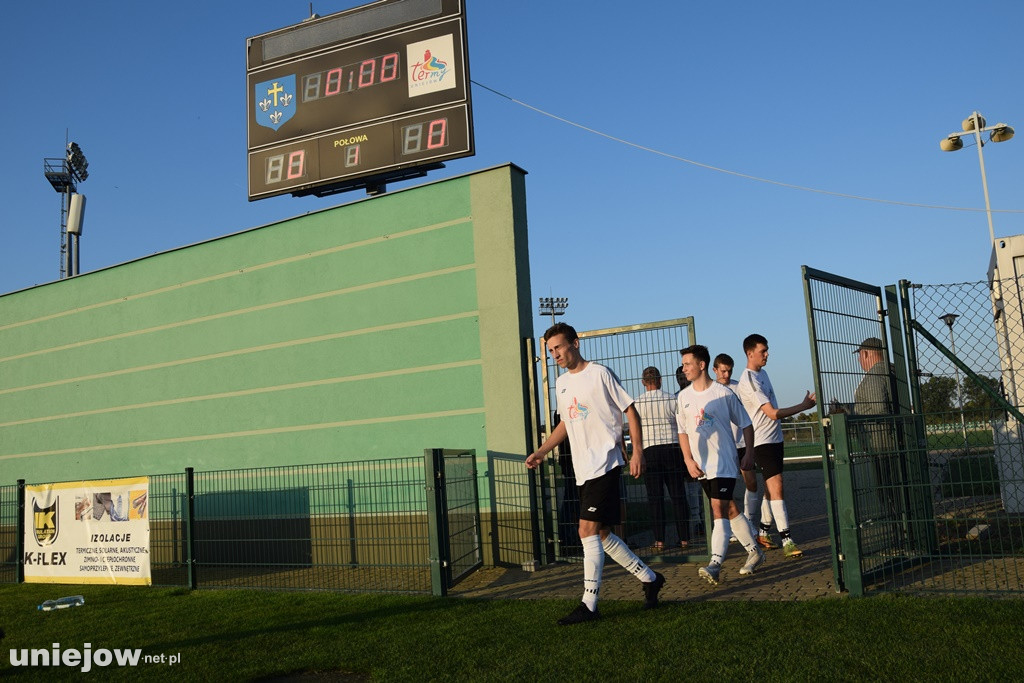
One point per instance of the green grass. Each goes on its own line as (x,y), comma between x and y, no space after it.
(797,450)
(246,635)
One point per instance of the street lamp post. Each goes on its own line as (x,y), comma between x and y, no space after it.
(975,124)
(949,319)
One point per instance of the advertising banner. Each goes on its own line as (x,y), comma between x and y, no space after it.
(88,532)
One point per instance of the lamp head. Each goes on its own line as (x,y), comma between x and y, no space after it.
(1002,133)
(973,122)
(951,144)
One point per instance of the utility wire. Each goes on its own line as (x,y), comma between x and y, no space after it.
(727,171)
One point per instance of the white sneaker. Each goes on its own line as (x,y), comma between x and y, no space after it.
(733,539)
(755,558)
(710,573)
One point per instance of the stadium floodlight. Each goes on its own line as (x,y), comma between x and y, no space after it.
(77,162)
(975,125)
(553,306)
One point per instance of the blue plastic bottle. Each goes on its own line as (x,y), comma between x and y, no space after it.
(62,603)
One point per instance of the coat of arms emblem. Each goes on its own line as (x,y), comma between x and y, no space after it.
(275,101)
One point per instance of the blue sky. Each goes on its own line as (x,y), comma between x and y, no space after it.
(850,98)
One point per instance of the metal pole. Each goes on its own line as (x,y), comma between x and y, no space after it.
(959,391)
(65,243)
(984,179)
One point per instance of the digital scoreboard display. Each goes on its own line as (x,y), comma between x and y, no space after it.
(364,94)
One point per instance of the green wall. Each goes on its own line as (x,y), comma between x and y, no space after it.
(371,330)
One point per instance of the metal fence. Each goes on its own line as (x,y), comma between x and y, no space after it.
(627,351)
(408,525)
(517,535)
(926,495)
(10,557)
(968,350)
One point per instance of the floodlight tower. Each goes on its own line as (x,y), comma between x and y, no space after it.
(552,306)
(64,173)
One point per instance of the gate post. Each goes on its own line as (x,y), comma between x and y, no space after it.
(437,522)
(190,535)
(19,542)
(850,557)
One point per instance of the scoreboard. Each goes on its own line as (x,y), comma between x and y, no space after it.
(371,92)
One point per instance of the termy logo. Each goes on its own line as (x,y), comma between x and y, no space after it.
(578,410)
(704,419)
(430,65)
(275,101)
(44,522)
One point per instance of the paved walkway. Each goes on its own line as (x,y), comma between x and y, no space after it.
(780,578)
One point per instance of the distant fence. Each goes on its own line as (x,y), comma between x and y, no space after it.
(801,432)
(408,525)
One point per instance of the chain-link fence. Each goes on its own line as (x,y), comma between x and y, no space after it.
(969,346)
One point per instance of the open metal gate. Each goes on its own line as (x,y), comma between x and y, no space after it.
(925,493)
(873,464)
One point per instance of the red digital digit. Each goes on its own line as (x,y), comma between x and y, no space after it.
(333,86)
(389,67)
(352,155)
(437,133)
(297,164)
(366,75)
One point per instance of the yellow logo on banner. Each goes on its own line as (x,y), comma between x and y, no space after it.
(45,522)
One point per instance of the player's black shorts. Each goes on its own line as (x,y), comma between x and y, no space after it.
(718,489)
(768,457)
(600,500)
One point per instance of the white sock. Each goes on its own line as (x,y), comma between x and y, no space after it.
(743,532)
(720,540)
(751,501)
(620,552)
(593,566)
(766,512)
(781,518)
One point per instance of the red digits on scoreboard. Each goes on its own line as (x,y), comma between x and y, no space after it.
(367,70)
(297,164)
(341,79)
(437,133)
(333,85)
(389,67)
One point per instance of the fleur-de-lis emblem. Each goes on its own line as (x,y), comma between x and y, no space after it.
(275,101)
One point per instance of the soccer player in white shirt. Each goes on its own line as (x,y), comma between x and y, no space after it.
(723,366)
(705,415)
(591,402)
(758,396)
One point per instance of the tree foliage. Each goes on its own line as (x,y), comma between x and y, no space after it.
(938,395)
(977,401)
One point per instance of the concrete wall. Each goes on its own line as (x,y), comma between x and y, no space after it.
(371,330)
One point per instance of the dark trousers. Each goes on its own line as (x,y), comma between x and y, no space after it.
(666,470)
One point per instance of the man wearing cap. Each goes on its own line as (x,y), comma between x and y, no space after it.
(873,396)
